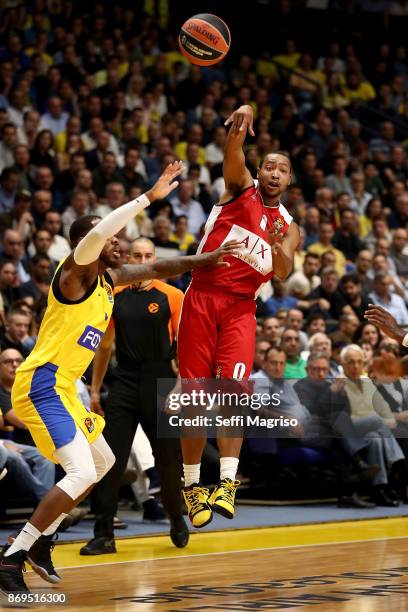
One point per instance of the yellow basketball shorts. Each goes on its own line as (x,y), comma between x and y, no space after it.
(48,404)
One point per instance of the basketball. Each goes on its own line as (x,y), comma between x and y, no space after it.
(204,39)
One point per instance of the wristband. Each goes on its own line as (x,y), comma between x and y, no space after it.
(143,200)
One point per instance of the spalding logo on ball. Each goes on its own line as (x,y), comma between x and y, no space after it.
(204,39)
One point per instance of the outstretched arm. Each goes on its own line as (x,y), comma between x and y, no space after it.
(236,174)
(164,268)
(81,267)
(386,322)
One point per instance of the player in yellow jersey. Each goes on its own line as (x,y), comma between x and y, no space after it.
(44,395)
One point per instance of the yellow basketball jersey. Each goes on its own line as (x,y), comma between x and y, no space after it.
(71,331)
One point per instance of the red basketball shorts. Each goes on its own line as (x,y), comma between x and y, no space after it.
(216,337)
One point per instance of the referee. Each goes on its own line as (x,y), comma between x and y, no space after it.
(145,321)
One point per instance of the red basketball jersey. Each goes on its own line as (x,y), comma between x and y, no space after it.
(246,219)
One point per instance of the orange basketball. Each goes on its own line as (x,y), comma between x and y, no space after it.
(204,39)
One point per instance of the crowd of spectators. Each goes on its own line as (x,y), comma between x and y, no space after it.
(95,102)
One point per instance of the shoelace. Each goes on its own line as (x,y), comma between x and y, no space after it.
(229,490)
(193,498)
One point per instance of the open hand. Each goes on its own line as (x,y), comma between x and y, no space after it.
(242,119)
(166,183)
(217,257)
(384,321)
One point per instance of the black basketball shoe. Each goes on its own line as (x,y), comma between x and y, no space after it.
(39,557)
(11,575)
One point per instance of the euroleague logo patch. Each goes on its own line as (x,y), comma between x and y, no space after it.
(110,294)
(153,308)
(89,424)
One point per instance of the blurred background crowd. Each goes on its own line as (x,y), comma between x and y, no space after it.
(96,99)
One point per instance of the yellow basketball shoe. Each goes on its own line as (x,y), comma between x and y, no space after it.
(199,511)
(222,499)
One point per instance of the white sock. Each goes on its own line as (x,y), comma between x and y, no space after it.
(54,526)
(228,467)
(25,539)
(191,474)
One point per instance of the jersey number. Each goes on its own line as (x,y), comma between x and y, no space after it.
(239,371)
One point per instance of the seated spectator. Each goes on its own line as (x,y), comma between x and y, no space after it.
(393,303)
(326,299)
(42,203)
(399,252)
(40,266)
(385,143)
(181,234)
(261,348)
(194,136)
(355,300)
(184,204)
(43,179)
(315,323)
(13,250)
(346,238)
(364,264)
(280,299)
(270,379)
(27,468)
(41,245)
(78,207)
(22,166)
(399,216)
(325,243)
(339,181)
(67,180)
(331,428)
(373,210)
(295,321)
(367,332)
(271,330)
(395,393)
(214,151)
(382,263)
(8,289)
(115,197)
(59,247)
(130,177)
(348,325)
(165,247)
(372,416)
(8,188)
(319,343)
(10,360)
(43,153)
(105,173)
(312,226)
(55,119)
(15,331)
(27,134)
(295,366)
(7,145)
(19,218)
(301,283)
(359,196)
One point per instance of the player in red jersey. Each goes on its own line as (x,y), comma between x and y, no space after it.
(217,328)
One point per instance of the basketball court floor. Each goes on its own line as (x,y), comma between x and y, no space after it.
(351,566)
